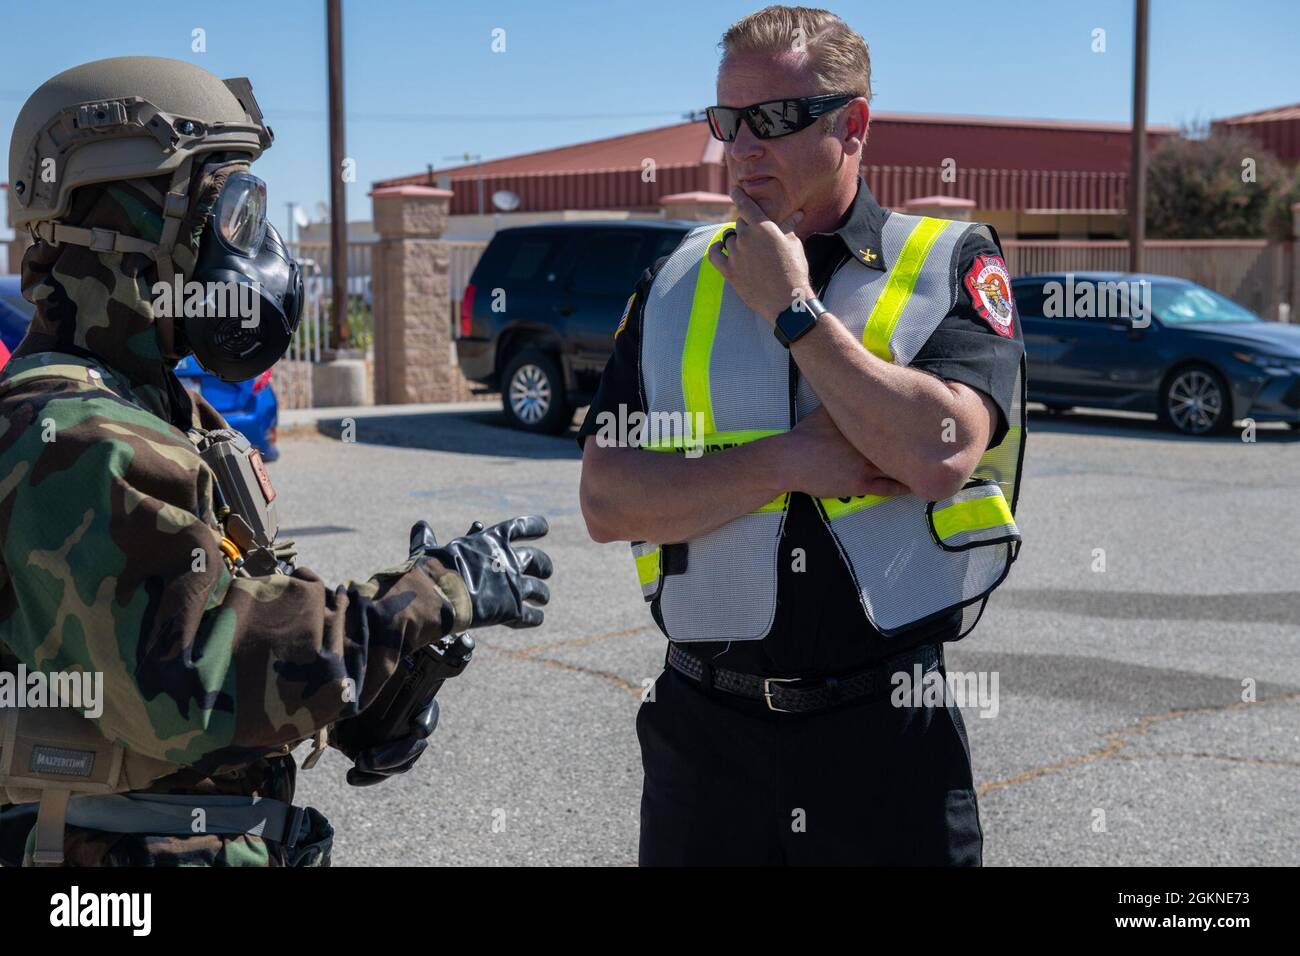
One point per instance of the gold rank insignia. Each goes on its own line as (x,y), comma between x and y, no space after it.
(867,255)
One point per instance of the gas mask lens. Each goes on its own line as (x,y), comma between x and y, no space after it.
(241,213)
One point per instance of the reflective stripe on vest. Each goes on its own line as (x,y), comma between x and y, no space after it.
(978,514)
(706,305)
(647,567)
(701,331)
(707,358)
(899,286)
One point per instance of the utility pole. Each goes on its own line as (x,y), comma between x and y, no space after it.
(1137,175)
(338,200)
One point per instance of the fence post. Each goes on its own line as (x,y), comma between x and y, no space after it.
(412,302)
(1291,266)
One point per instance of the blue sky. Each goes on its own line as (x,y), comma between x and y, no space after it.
(423,84)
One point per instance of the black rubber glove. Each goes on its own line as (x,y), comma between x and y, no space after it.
(504,580)
(375,762)
(500,579)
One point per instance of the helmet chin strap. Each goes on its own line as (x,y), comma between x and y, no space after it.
(175,206)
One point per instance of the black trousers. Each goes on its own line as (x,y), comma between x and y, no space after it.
(730,783)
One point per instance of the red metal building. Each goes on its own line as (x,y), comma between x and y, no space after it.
(1277,129)
(1030,178)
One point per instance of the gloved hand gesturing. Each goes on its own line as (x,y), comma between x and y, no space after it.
(500,579)
(504,580)
(375,761)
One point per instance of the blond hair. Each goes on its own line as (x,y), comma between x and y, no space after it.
(838,56)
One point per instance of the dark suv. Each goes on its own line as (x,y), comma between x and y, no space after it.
(537,319)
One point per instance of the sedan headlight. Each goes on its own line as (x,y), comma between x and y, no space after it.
(1271,364)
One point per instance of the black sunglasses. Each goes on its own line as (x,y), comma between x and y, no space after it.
(773,118)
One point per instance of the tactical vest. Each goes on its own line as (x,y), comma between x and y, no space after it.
(708,359)
(51,754)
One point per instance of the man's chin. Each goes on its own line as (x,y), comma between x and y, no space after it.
(767,193)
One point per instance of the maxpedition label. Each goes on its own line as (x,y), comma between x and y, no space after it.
(57,760)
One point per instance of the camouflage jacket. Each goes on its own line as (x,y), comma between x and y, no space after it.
(105,505)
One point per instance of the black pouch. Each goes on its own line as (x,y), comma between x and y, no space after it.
(16,822)
(314,843)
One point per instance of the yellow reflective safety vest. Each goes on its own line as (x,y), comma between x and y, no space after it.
(709,362)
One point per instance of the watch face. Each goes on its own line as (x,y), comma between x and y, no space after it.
(790,325)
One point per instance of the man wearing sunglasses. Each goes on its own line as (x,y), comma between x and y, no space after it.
(855,377)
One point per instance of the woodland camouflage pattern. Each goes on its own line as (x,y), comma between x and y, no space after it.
(98,531)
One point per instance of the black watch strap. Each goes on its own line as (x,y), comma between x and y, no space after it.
(795,322)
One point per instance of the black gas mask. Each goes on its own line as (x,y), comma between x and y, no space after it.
(252,287)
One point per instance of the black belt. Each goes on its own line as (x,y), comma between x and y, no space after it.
(802,695)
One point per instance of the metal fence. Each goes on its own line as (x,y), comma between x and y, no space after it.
(293,375)
(1258,274)
(462,257)
(1251,272)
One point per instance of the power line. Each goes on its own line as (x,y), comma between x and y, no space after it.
(522,116)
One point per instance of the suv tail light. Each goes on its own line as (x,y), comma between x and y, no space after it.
(467,311)
(262,381)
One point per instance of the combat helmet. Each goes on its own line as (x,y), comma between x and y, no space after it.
(130,117)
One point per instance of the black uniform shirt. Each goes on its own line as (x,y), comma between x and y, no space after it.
(820,626)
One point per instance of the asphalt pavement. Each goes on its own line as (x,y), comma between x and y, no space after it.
(1146,647)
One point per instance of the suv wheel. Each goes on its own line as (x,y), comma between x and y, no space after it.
(1195,401)
(532,394)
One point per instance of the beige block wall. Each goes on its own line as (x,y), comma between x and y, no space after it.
(1011,223)
(1004,221)
(414,356)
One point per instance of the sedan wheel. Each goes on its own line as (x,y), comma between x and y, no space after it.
(1195,402)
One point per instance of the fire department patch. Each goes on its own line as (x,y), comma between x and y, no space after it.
(989,284)
(627,310)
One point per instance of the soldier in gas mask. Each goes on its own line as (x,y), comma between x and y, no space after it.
(137,533)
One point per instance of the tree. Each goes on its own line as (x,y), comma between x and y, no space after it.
(1224,186)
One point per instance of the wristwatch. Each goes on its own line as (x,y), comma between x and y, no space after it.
(795,322)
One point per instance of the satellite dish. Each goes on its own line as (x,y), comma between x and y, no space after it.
(322,211)
(505,200)
(300,217)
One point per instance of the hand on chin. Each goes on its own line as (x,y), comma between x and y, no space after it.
(762,259)
(769,198)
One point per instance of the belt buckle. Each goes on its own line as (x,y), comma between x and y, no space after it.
(767,692)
